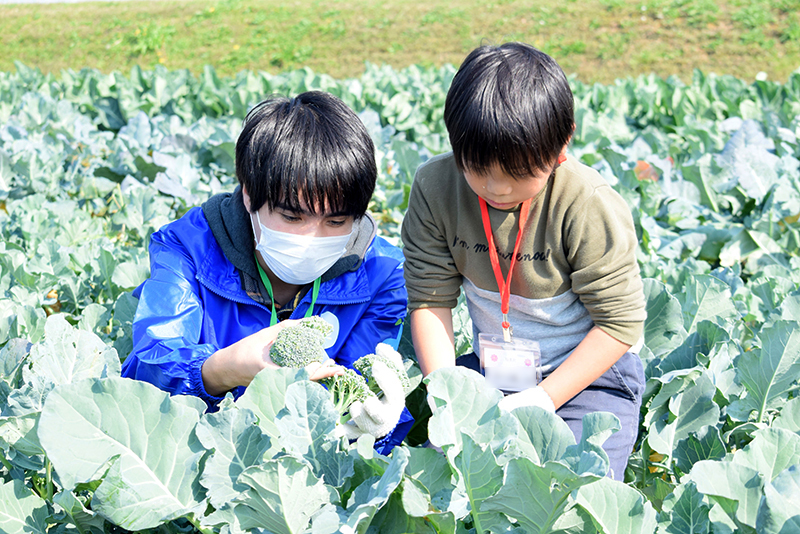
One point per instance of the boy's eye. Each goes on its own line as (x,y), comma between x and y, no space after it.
(290,217)
(337,222)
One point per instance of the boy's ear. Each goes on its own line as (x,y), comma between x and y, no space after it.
(246,200)
(563,154)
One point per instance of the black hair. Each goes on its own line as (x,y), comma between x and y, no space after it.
(509,105)
(312,147)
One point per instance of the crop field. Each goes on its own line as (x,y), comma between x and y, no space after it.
(598,40)
(91,164)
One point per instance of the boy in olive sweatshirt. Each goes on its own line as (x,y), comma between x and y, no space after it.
(567,236)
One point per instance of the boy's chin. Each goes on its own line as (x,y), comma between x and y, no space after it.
(502,206)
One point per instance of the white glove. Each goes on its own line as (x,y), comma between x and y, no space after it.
(382,349)
(348,430)
(377,416)
(535,396)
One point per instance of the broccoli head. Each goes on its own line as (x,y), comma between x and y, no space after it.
(387,355)
(315,322)
(301,344)
(346,389)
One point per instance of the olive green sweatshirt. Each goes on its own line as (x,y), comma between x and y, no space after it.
(576,265)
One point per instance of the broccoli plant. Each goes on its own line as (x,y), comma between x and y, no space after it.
(301,344)
(346,389)
(383,353)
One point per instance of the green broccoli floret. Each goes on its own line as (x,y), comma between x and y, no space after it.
(315,322)
(364,366)
(346,389)
(301,344)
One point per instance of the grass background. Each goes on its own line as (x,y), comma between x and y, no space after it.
(598,40)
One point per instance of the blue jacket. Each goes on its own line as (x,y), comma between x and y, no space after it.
(195,303)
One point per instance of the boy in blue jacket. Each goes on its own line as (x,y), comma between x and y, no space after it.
(293,240)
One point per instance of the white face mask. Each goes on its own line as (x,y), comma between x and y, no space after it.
(298,259)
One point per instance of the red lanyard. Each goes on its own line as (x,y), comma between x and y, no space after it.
(504,285)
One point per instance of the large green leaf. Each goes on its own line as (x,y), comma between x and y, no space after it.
(738,483)
(770,372)
(130,274)
(536,496)
(237,442)
(688,513)
(662,389)
(18,427)
(771,451)
(482,477)
(415,499)
(372,494)
(307,421)
(789,416)
(68,354)
(393,518)
(85,520)
(704,444)
(705,297)
(587,456)
(544,436)
(616,507)
(778,513)
(430,468)
(703,173)
(460,401)
(689,411)
(334,466)
(266,396)
(12,355)
(282,497)
(663,329)
(706,337)
(20,510)
(145,436)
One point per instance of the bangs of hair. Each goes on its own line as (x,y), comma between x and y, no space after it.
(310,153)
(509,106)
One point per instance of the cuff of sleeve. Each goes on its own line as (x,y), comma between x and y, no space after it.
(628,333)
(196,386)
(416,305)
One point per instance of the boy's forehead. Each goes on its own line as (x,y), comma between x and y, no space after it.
(302,208)
(497,171)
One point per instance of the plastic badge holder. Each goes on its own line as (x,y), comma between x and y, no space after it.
(510,365)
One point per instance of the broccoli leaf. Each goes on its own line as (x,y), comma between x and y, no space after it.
(282,497)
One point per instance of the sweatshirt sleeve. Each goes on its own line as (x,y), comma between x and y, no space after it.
(431,276)
(601,248)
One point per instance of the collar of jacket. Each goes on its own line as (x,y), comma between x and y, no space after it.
(230,225)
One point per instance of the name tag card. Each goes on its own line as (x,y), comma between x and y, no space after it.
(510,365)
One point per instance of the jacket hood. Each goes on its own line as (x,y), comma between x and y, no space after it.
(230,223)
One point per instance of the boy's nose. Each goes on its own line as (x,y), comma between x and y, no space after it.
(498,187)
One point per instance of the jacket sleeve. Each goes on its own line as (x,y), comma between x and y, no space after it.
(167,351)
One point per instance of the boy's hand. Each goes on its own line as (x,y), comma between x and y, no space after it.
(317,371)
(377,416)
(237,364)
(535,396)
